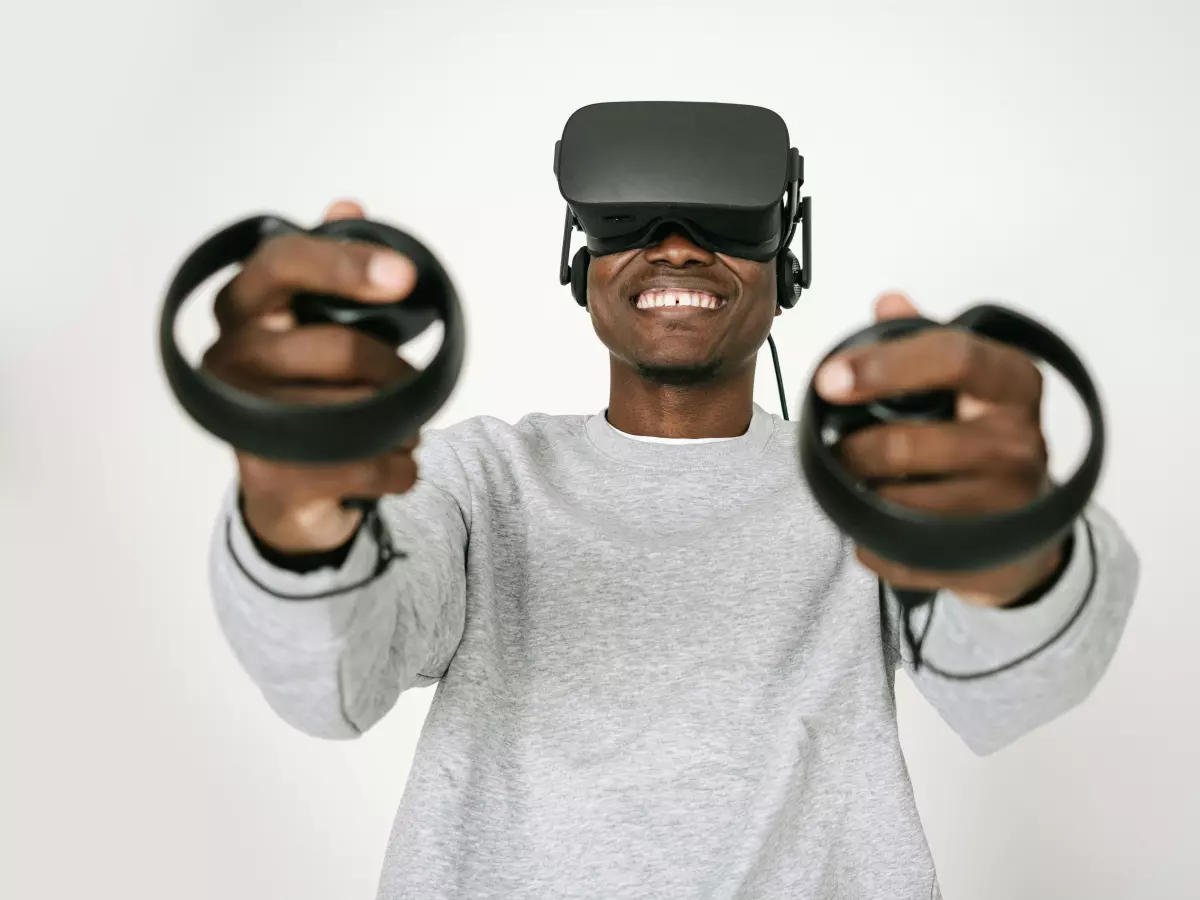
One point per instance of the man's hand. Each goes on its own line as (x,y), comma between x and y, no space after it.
(292,507)
(992,458)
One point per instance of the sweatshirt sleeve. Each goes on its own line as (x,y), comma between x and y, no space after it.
(995,675)
(334,665)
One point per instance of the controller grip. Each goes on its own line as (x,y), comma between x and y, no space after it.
(393,323)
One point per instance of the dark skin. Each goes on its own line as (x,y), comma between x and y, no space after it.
(682,373)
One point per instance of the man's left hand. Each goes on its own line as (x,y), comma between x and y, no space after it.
(992,458)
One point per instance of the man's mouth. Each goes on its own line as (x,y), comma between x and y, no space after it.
(678,299)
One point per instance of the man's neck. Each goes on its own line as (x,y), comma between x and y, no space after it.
(715,410)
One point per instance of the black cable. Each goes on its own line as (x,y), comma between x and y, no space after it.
(918,663)
(910,635)
(778,377)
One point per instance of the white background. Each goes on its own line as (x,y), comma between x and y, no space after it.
(1045,154)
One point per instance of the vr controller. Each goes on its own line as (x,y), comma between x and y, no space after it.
(936,542)
(306,433)
(727,176)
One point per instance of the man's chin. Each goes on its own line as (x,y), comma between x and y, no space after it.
(679,374)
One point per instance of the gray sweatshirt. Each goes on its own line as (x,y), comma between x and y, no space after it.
(660,671)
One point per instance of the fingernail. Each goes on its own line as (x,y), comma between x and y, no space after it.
(836,379)
(391,272)
(277,321)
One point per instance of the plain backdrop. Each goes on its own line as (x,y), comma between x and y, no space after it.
(1043,154)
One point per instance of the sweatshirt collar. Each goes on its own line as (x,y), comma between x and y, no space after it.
(746,446)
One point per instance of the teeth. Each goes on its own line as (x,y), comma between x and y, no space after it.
(655,299)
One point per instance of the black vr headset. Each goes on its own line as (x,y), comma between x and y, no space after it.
(724,174)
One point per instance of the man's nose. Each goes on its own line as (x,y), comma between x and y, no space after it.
(677,249)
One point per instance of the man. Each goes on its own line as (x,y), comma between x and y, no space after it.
(660,671)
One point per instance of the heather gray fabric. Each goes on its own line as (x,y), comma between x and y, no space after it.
(660,672)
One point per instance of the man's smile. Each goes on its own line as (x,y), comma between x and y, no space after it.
(678,301)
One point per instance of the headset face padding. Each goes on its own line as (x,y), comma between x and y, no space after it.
(787,268)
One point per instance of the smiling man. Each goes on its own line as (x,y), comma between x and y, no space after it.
(660,671)
(676,316)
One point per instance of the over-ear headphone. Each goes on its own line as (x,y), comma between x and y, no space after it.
(579,273)
(787,277)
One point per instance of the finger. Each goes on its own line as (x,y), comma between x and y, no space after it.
(969,496)
(282,319)
(292,263)
(938,359)
(310,395)
(318,353)
(304,395)
(344,209)
(297,485)
(896,575)
(894,305)
(996,445)
(1008,580)
(968,408)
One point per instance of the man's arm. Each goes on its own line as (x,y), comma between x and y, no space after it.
(334,666)
(996,674)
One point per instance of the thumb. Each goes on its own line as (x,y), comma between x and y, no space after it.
(894,305)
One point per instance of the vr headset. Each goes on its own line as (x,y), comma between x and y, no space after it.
(724,174)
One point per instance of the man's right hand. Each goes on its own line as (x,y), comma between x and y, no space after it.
(291,507)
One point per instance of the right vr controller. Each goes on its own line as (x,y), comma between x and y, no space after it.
(319,433)
(925,540)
